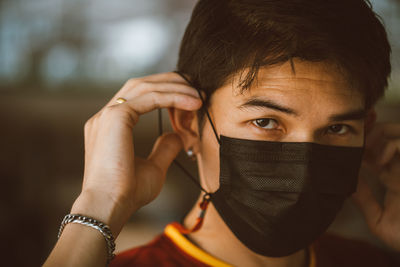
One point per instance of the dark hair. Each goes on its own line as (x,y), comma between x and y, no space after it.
(224,37)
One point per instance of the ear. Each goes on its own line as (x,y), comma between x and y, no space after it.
(370,120)
(184,124)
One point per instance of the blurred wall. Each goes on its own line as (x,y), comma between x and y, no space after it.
(60,62)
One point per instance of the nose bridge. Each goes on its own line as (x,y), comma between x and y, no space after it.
(303,134)
(305,130)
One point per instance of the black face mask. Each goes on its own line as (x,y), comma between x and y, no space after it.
(278,197)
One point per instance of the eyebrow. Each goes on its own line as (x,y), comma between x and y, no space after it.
(264,103)
(358,114)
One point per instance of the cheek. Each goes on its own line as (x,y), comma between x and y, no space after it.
(209,160)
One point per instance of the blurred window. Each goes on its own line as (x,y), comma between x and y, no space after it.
(64,45)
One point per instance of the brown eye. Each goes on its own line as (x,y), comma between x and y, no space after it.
(266,123)
(338,129)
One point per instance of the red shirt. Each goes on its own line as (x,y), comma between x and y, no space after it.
(171,248)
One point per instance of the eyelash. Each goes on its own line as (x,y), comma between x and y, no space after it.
(349,128)
(256,121)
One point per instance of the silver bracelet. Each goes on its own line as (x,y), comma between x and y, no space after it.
(103,228)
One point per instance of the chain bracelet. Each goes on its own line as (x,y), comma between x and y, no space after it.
(103,228)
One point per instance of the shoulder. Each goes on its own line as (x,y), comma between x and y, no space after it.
(159,252)
(333,250)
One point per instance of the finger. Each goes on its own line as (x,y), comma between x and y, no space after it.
(371,167)
(165,150)
(146,87)
(377,137)
(372,157)
(155,100)
(374,136)
(391,130)
(390,177)
(374,144)
(139,87)
(389,151)
(368,204)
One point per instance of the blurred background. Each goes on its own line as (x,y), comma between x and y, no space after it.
(60,62)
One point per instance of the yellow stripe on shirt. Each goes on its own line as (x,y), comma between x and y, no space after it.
(189,248)
(313,259)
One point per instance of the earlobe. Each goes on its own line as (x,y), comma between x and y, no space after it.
(184,124)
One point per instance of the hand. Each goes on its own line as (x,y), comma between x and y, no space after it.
(382,157)
(116,182)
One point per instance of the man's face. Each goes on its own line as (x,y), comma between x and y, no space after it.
(314,104)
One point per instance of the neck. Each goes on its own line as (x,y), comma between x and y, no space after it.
(216,238)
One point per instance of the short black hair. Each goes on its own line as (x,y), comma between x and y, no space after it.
(224,37)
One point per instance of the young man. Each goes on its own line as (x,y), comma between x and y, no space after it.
(284,119)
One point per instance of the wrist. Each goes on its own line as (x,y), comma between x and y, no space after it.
(103,208)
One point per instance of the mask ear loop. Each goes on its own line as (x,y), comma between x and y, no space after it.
(207,196)
(203,106)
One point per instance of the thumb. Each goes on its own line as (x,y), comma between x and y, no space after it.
(366,201)
(165,150)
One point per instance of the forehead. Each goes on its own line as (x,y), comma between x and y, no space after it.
(303,83)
